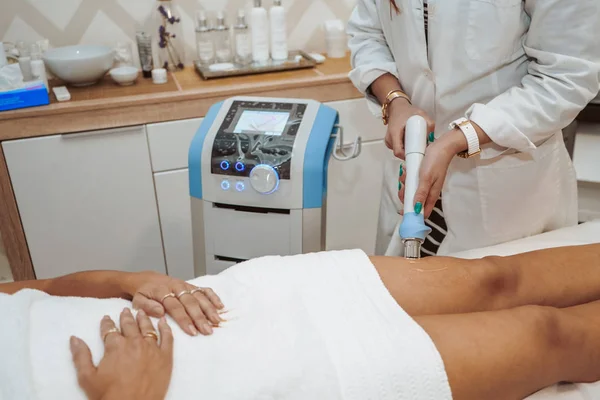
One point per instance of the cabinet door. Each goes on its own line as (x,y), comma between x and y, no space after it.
(353,196)
(173,194)
(87,201)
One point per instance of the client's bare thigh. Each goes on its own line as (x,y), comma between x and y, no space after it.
(443,285)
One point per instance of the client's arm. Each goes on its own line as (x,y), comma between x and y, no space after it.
(135,366)
(194,309)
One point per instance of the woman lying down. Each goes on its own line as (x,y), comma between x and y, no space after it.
(332,325)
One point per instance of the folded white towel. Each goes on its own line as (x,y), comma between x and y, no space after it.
(316,326)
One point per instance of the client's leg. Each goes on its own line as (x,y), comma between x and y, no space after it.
(511,354)
(559,277)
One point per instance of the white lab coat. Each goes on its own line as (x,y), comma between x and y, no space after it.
(522,70)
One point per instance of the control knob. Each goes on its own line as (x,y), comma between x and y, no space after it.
(264,179)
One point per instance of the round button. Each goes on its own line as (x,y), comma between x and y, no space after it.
(239,166)
(225,185)
(224,165)
(264,179)
(239,186)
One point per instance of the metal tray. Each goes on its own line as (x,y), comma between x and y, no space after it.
(296,60)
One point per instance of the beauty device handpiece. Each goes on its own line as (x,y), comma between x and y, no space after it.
(413,229)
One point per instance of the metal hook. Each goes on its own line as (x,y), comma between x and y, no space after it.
(339,146)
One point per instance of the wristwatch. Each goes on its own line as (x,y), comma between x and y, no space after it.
(470,134)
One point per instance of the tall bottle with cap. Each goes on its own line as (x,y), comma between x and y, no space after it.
(38,68)
(279,46)
(242,41)
(259,25)
(222,42)
(204,41)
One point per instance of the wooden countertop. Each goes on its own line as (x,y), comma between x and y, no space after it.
(186,95)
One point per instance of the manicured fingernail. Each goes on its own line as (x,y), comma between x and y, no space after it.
(193,330)
(106,317)
(162,320)
(399,186)
(126,310)
(418,208)
(431,137)
(207,328)
(74,343)
(401,170)
(141,313)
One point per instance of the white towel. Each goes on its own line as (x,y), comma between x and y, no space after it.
(316,326)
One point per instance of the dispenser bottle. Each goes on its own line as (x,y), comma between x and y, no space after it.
(259,25)
(204,40)
(243,44)
(222,42)
(279,47)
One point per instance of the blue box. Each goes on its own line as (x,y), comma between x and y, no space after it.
(30,96)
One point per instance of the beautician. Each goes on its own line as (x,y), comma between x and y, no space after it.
(497,81)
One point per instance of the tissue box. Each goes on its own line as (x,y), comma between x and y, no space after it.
(34,94)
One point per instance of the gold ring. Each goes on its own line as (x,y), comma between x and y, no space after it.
(182,293)
(152,335)
(166,296)
(108,332)
(201,290)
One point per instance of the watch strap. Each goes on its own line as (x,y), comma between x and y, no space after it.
(470,134)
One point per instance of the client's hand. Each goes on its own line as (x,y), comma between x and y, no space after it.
(194,309)
(135,366)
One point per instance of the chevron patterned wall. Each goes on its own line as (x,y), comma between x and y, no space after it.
(66,22)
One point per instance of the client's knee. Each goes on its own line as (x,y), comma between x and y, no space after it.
(544,326)
(500,283)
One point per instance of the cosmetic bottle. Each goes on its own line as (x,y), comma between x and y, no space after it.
(144,44)
(204,40)
(278,33)
(222,40)
(242,40)
(259,28)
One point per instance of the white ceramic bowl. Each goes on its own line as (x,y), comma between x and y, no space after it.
(80,65)
(124,75)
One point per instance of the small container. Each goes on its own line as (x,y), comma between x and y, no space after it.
(204,40)
(222,42)
(242,40)
(159,76)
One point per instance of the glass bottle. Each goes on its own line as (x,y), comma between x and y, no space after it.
(242,40)
(222,42)
(204,40)
(169,33)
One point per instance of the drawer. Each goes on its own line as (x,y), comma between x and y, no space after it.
(357,119)
(169,143)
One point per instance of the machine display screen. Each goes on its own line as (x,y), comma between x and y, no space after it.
(270,123)
(254,133)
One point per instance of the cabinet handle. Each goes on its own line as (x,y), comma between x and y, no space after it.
(339,146)
(101,132)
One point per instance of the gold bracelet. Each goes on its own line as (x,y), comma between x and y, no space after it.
(391,96)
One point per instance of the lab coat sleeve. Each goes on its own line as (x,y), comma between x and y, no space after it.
(563,76)
(370,55)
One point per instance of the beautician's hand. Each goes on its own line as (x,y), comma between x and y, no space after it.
(194,309)
(135,366)
(400,111)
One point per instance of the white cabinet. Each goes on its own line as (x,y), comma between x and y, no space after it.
(87,201)
(172,192)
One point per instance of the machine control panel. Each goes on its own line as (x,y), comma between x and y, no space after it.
(254,143)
